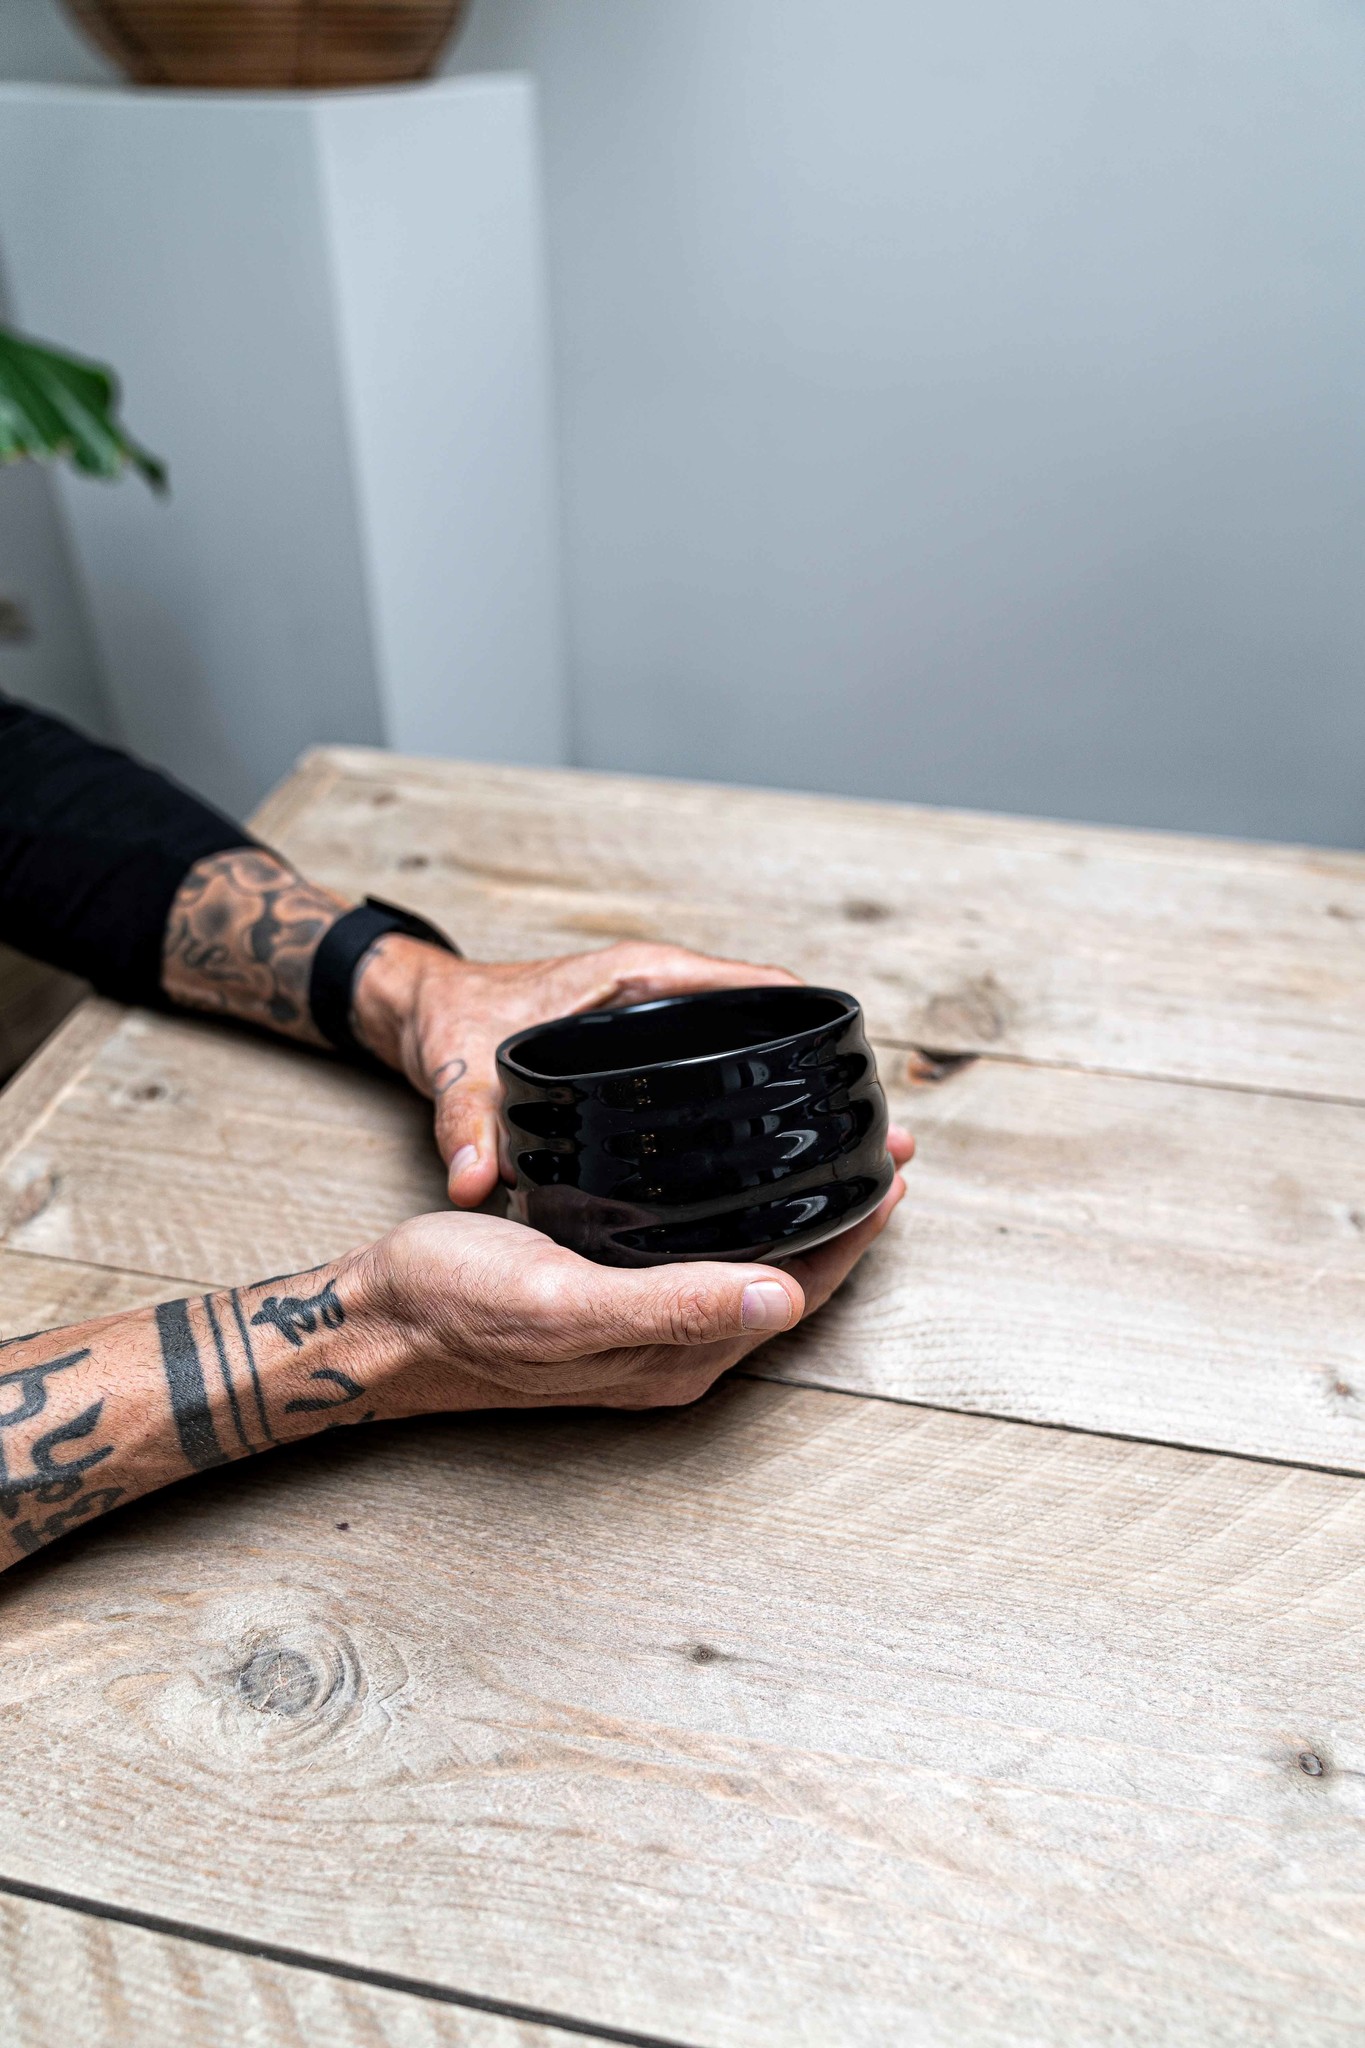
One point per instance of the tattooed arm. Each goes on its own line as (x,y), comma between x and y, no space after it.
(105,1411)
(241,937)
(111,871)
(240,941)
(446,1313)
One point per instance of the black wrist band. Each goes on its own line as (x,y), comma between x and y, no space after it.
(341,951)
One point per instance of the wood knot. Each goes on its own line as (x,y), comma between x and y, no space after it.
(281,1681)
(862,910)
(925,1069)
(296,1677)
(707,1653)
(976,1009)
(1310,1763)
(410,861)
(30,1200)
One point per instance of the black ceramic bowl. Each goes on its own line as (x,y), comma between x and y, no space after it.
(743,1124)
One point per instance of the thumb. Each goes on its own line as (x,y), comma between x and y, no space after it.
(467,1139)
(690,1304)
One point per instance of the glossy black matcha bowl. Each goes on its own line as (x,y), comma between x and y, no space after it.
(747,1123)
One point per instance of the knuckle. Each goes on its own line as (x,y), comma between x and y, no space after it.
(694,1316)
(547,1295)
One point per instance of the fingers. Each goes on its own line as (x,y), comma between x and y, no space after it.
(900,1144)
(607,1308)
(467,1130)
(640,973)
(821,1271)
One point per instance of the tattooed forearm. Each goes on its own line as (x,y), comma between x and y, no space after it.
(253,1371)
(33,1477)
(241,937)
(186,1387)
(297,1316)
(93,1416)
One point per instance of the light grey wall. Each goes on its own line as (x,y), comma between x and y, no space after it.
(958,402)
(53,664)
(964,401)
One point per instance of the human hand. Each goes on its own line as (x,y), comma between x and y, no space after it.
(482,1313)
(440,1020)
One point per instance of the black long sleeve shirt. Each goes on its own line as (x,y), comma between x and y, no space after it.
(93,847)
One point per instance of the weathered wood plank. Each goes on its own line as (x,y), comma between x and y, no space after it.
(1157,1261)
(1118,951)
(785,1719)
(188,1148)
(1146,1258)
(32,1095)
(306,789)
(68,1980)
(33,1001)
(42,1293)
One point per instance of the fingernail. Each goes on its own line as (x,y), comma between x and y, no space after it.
(766,1305)
(463,1160)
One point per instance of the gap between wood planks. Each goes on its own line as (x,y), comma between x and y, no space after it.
(328,1966)
(1193,1450)
(957,1060)
(1116,1436)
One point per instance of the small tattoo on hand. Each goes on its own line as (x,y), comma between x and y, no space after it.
(447,1075)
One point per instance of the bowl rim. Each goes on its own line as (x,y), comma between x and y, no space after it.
(506,1052)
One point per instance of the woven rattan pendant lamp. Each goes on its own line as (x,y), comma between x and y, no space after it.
(260,44)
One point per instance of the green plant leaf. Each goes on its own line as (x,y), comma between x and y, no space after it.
(55,406)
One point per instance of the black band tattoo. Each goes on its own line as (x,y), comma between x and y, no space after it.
(225,1374)
(250,1353)
(185,1382)
(297,1316)
(447,1076)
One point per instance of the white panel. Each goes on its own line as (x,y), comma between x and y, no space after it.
(434,215)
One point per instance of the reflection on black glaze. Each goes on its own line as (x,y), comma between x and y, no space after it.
(745,1123)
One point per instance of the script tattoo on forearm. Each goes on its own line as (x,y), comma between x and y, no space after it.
(33,1476)
(241,937)
(204,1349)
(104,1411)
(297,1316)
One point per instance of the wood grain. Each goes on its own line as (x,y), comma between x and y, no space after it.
(191,1149)
(1128,952)
(785,1719)
(30,1098)
(1145,1258)
(1156,1261)
(33,1001)
(42,1294)
(68,1980)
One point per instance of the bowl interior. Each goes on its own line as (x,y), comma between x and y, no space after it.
(678,1028)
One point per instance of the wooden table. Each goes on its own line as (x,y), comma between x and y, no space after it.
(987,1668)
